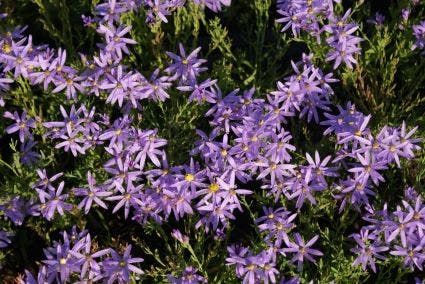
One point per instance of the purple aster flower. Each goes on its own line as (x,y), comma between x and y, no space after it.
(22,125)
(148,146)
(118,268)
(15,210)
(202,92)
(275,169)
(82,251)
(27,156)
(115,40)
(229,193)
(60,262)
(302,250)
(277,223)
(399,227)
(214,215)
(189,276)
(71,85)
(42,277)
(378,21)
(180,201)
(304,188)
(19,59)
(55,202)
(193,177)
(176,234)
(157,86)
(413,255)
(158,9)
(110,11)
(369,167)
(72,141)
(344,44)
(93,193)
(45,182)
(367,251)
(118,133)
(4,239)
(4,86)
(130,197)
(185,68)
(419,33)
(214,5)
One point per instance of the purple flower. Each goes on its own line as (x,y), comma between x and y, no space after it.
(157,86)
(301,250)
(214,5)
(378,21)
(344,44)
(60,263)
(82,251)
(399,227)
(118,268)
(19,59)
(214,215)
(27,155)
(367,251)
(115,42)
(4,87)
(419,33)
(45,182)
(131,197)
(93,193)
(55,202)
(71,85)
(185,68)
(72,142)
(4,239)
(189,276)
(176,234)
(16,209)
(369,167)
(158,9)
(413,256)
(22,125)
(202,92)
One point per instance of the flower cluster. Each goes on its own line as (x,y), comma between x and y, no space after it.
(156,10)
(365,155)
(400,232)
(309,16)
(249,140)
(76,257)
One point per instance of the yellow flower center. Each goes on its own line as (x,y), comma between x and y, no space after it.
(189,177)
(6,48)
(213,187)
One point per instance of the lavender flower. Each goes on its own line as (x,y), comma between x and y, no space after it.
(93,193)
(55,202)
(118,268)
(4,239)
(22,125)
(419,33)
(301,249)
(185,68)
(189,276)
